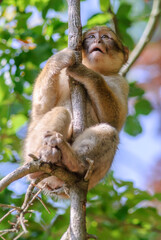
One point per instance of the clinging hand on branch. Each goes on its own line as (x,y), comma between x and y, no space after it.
(50,129)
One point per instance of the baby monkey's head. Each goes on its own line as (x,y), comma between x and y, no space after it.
(103,51)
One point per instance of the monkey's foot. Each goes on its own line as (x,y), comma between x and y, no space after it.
(53,139)
(49,151)
(69,158)
(50,154)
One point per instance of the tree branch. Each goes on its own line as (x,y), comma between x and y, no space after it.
(78,192)
(38,166)
(77,91)
(145,38)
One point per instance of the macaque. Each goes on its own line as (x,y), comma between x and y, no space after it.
(50,129)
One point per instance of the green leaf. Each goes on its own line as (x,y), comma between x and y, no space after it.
(124,36)
(157,196)
(135,90)
(19,86)
(3,46)
(122,213)
(60,5)
(124,10)
(99,19)
(143,106)
(132,126)
(22,20)
(104,5)
(16,122)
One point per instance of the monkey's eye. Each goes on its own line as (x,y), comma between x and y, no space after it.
(91,36)
(105,36)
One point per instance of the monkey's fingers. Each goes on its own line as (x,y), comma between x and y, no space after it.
(52,138)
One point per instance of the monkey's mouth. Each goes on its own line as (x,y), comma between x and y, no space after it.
(97,49)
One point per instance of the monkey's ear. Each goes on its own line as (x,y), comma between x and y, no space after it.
(126,53)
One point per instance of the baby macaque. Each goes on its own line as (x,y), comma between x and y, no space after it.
(50,130)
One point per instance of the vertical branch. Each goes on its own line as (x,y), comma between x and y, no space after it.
(78,192)
(75,43)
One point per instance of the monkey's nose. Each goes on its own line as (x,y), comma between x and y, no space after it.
(98,40)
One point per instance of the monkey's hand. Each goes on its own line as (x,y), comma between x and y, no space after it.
(62,59)
(83,74)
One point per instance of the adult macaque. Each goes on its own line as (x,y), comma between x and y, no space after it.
(50,129)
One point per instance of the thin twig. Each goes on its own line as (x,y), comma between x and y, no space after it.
(23,210)
(8,230)
(19,235)
(91,236)
(43,204)
(8,206)
(21,221)
(1,236)
(8,213)
(145,38)
(113,21)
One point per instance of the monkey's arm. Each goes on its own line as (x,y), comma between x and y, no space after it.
(46,89)
(110,102)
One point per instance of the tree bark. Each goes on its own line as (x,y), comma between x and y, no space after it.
(78,191)
(77,90)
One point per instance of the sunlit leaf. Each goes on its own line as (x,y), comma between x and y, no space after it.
(104,5)
(99,19)
(16,122)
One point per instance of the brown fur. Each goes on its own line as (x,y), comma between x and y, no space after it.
(50,128)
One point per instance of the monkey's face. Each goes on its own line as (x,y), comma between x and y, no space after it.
(102,50)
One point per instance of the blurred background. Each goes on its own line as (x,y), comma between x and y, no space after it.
(30,32)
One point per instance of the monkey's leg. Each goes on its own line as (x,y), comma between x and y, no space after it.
(59,120)
(98,143)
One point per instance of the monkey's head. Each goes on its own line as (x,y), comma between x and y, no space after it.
(103,51)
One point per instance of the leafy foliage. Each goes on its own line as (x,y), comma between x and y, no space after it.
(115,209)
(141,107)
(30,32)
